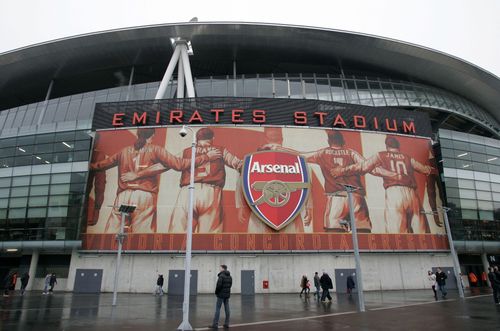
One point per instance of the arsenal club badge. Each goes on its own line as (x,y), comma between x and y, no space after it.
(275,185)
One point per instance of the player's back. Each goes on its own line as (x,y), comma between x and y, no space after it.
(212,172)
(337,157)
(399,163)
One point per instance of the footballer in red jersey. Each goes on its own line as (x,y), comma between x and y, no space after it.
(403,209)
(209,179)
(137,189)
(337,209)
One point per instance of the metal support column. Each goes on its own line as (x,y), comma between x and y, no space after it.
(359,279)
(168,74)
(456,264)
(180,80)
(124,211)
(185,325)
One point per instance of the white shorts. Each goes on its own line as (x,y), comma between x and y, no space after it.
(337,210)
(141,220)
(403,211)
(207,210)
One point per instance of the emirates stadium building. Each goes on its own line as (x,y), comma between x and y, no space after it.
(292,128)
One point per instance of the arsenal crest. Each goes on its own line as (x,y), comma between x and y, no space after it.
(275,185)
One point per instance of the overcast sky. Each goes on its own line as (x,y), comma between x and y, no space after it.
(464,28)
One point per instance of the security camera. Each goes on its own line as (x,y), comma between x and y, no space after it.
(183,132)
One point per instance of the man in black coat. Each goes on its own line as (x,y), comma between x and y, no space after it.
(326,284)
(495,284)
(223,292)
(441,281)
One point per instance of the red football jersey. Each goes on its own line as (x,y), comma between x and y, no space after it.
(212,172)
(398,163)
(329,158)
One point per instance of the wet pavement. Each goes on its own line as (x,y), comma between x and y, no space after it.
(390,310)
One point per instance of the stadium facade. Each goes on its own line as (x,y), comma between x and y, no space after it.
(265,93)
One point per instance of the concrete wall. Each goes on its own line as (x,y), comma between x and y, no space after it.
(381,271)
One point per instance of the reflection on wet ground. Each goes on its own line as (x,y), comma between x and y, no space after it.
(68,311)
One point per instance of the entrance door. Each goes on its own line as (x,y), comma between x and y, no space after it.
(341,279)
(451,281)
(176,282)
(247,282)
(88,281)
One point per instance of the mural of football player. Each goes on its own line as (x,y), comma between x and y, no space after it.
(402,203)
(209,181)
(337,208)
(432,186)
(138,189)
(98,179)
(274,142)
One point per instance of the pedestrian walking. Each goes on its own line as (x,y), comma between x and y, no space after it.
(495,284)
(316,284)
(432,283)
(326,284)
(223,292)
(24,282)
(9,283)
(46,283)
(159,285)
(441,281)
(350,284)
(52,282)
(303,284)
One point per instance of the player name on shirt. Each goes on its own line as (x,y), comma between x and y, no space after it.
(275,168)
(395,156)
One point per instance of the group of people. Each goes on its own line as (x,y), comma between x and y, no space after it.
(323,285)
(10,283)
(437,281)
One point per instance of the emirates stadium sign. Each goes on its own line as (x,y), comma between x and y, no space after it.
(275,185)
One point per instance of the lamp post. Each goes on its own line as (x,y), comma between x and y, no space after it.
(361,298)
(185,325)
(124,211)
(456,264)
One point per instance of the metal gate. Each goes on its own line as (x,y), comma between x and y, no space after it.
(176,282)
(88,281)
(341,279)
(247,282)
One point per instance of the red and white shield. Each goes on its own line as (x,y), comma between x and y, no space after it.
(275,185)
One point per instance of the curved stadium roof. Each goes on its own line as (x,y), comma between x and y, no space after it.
(83,63)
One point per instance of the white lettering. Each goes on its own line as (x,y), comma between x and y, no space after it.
(275,168)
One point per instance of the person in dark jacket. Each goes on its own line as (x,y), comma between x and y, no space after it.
(316,284)
(223,292)
(495,284)
(326,284)
(24,282)
(441,281)
(159,285)
(350,284)
(303,285)
(52,282)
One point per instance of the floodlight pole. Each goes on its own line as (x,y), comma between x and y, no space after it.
(185,325)
(180,58)
(456,264)
(361,298)
(124,211)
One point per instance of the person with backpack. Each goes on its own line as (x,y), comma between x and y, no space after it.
(159,285)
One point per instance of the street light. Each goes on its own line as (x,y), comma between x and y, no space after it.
(124,210)
(456,264)
(189,241)
(361,298)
